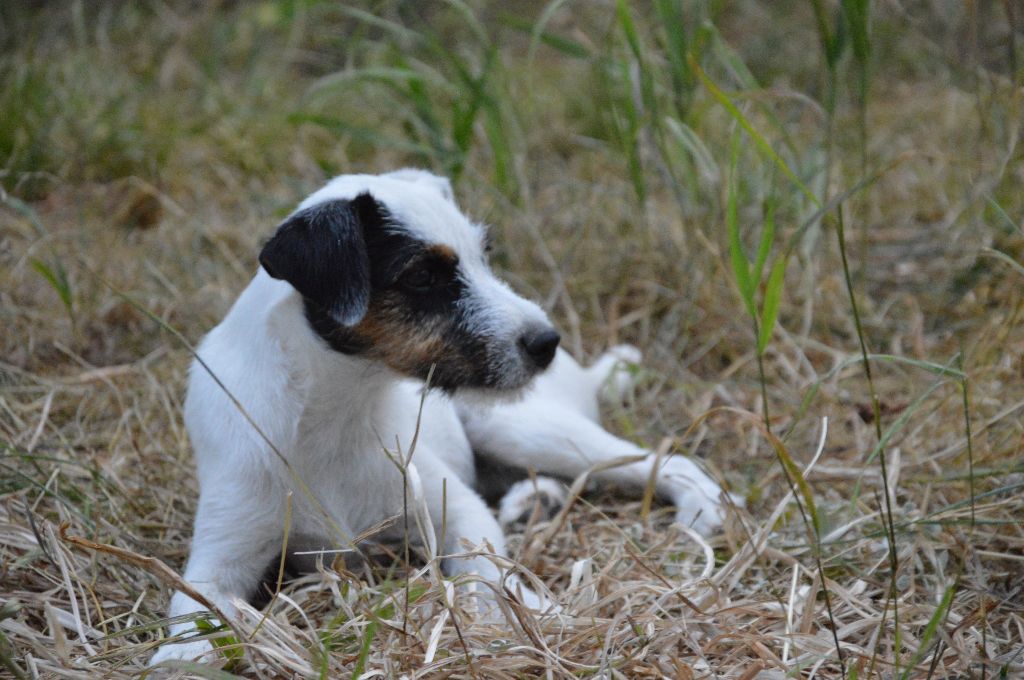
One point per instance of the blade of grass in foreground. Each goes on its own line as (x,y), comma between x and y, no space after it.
(938,616)
(740,268)
(364,650)
(814,529)
(1000,255)
(877,412)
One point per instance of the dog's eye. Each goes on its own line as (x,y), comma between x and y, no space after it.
(420,278)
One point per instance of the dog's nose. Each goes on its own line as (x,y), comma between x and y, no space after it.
(540,345)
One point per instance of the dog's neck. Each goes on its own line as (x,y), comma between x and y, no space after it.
(323,374)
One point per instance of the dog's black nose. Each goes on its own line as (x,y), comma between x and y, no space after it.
(540,345)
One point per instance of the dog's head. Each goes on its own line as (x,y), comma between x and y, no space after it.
(391,270)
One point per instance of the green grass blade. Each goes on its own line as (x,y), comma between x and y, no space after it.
(740,266)
(812,391)
(857,14)
(396,77)
(648,99)
(625,20)
(694,146)
(767,238)
(470,19)
(466,114)
(370,19)
(937,617)
(965,394)
(501,147)
(944,370)
(26,211)
(676,47)
(364,650)
(629,135)
(831,42)
(1000,255)
(901,421)
(801,484)
(57,277)
(762,145)
(836,202)
(369,135)
(1001,212)
(539,34)
(732,61)
(772,298)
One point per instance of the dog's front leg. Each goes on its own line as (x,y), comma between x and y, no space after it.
(461,516)
(232,545)
(552,439)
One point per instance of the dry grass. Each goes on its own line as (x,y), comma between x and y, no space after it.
(147,152)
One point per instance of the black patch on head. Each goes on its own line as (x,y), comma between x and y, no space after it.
(370,288)
(414,318)
(322,252)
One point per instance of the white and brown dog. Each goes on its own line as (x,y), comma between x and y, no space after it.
(374,283)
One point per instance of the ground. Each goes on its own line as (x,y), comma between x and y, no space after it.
(679,176)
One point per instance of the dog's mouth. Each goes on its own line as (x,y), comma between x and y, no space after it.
(502,370)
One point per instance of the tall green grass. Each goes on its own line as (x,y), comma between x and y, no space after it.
(444,99)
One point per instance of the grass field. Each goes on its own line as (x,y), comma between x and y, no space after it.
(808,215)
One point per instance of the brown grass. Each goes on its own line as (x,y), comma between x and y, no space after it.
(203,155)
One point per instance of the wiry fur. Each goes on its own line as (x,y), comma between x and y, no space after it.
(326,351)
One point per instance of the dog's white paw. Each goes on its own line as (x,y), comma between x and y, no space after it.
(699,500)
(702,514)
(543,496)
(617,371)
(184,651)
(627,354)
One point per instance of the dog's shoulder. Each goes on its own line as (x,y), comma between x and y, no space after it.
(252,360)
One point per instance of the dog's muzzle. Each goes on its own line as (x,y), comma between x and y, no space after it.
(539,345)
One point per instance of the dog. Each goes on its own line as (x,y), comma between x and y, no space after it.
(312,387)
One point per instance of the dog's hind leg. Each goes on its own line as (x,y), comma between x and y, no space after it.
(579,387)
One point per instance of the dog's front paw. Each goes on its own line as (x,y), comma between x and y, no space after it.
(627,354)
(699,500)
(618,372)
(197,650)
(700,512)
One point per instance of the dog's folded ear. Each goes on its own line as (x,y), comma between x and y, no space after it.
(321,252)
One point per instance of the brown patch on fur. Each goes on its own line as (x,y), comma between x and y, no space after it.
(408,346)
(443,252)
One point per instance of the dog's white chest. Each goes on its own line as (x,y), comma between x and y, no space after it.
(353,466)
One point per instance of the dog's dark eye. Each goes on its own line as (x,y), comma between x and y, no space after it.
(421,278)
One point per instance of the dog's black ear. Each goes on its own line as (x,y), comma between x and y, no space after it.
(321,251)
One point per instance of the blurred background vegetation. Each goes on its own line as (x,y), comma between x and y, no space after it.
(144,114)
